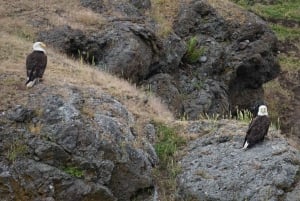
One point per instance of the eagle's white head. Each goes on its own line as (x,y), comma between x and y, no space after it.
(262,111)
(39,46)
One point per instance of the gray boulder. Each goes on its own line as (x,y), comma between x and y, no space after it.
(126,9)
(76,144)
(124,48)
(237,57)
(216,168)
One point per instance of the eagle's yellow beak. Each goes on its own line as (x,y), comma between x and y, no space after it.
(43,45)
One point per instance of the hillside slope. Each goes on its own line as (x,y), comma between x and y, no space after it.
(84,134)
(282,94)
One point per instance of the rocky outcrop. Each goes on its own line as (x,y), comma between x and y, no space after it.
(73,144)
(76,143)
(123,48)
(237,56)
(216,168)
(128,8)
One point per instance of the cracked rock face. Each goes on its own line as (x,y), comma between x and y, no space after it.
(216,168)
(237,57)
(72,144)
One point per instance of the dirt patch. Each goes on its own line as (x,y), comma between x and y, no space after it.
(289,48)
(290,115)
(286,22)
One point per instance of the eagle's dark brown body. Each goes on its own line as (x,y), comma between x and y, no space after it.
(257,130)
(36,63)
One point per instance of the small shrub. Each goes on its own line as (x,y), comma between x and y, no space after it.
(193,51)
(168,143)
(244,115)
(16,149)
(74,171)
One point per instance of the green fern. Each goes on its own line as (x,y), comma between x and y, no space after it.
(193,53)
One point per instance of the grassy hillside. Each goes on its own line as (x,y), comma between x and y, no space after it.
(283,17)
(21,19)
(19,24)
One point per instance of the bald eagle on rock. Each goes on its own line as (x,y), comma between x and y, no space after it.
(258,128)
(36,63)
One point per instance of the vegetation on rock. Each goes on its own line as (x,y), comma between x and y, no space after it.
(283,17)
(86,131)
(193,52)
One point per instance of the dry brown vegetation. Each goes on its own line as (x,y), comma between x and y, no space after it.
(164,12)
(18,31)
(16,37)
(229,10)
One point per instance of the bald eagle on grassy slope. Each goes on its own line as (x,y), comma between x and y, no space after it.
(36,63)
(258,128)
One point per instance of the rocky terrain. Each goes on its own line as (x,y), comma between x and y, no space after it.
(73,142)
(85,134)
(237,57)
(282,94)
(216,168)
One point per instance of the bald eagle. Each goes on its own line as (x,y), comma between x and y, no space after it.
(258,128)
(36,63)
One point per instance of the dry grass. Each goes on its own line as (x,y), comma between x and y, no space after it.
(17,34)
(31,16)
(80,74)
(277,98)
(62,70)
(164,12)
(229,10)
(88,18)
(78,18)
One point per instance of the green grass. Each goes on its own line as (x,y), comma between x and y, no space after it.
(167,146)
(168,143)
(244,115)
(193,52)
(244,3)
(284,10)
(290,64)
(284,33)
(16,149)
(73,171)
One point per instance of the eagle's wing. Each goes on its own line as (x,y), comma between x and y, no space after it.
(258,129)
(251,125)
(31,64)
(42,65)
(266,123)
(36,63)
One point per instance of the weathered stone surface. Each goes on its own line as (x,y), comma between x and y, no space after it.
(123,48)
(216,168)
(125,9)
(77,145)
(95,5)
(141,4)
(238,57)
(20,114)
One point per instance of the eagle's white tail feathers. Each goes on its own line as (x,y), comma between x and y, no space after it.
(31,83)
(246,145)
